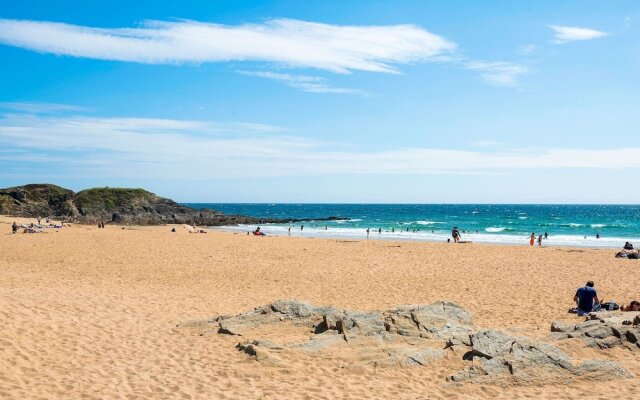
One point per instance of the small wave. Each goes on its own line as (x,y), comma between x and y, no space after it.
(598,225)
(494,229)
(355,220)
(428,222)
(523,217)
(574,225)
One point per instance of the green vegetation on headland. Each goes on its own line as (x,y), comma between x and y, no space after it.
(116,205)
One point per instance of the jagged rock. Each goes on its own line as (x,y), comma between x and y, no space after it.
(601,330)
(418,335)
(261,353)
(501,359)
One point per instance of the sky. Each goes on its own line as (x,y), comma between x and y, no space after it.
(325,101)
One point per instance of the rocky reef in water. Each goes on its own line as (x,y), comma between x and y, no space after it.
(116,205)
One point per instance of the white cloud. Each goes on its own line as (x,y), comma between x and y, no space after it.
(284,41)
(313,84)
(174,149)
(564,34)
(498,73)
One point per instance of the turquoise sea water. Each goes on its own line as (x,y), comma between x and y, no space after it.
(571,225)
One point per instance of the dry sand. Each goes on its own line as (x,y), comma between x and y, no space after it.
(91,313)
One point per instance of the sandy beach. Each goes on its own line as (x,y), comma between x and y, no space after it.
(91,313)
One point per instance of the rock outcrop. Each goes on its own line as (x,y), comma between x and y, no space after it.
(116,205)
(406,336)
(501,359)
(602,330)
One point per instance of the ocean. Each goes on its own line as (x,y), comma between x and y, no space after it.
(566,225)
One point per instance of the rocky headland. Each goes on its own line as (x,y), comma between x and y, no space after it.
(116,205)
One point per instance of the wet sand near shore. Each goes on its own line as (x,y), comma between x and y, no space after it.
(92,313)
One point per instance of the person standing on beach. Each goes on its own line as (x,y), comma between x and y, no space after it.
(301,227)
(289,231)
(532,239)
(546,235)
(540,240)
(455,233)
(367,233)
(14,228)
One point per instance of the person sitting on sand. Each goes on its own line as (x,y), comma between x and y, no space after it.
(455,233)
(627,246)
(585,297)
(258,233)
(633,306)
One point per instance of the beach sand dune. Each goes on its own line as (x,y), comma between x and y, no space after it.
(92,313)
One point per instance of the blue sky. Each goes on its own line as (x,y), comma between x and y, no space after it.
(331,101)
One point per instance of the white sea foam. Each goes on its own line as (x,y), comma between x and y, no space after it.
(494,229)
(598,225)
(428,222)
(426,235)
(574,225)
(523,217)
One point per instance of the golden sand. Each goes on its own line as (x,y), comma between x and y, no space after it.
(92,313)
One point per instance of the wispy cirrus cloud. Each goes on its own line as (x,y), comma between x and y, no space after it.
(285,41)
(185,149)
(564,34)
(306,83)
(497,73)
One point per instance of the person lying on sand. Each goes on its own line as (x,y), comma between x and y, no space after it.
(633,306)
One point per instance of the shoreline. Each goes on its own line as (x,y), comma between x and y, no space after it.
(426,237)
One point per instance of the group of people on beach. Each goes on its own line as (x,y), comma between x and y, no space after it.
(587,301)
(532,238)
(35,228)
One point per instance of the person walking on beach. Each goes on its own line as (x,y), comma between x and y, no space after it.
(367,233)
(14,228)
(546,235)
(532,239)
(301,227)
(540,240)
(289,231)
(455,233)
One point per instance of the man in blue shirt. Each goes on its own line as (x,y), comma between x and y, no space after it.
(585,297)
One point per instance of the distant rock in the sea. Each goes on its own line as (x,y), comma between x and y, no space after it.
(116,205)
(406,336)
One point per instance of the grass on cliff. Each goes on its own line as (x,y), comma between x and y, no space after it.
(111,198)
